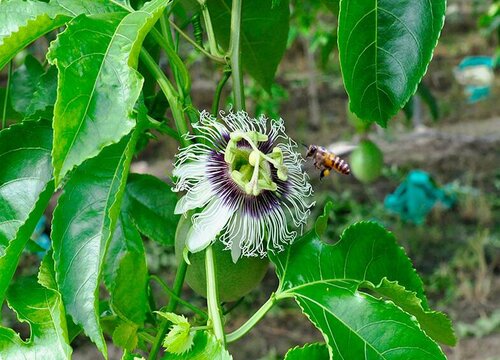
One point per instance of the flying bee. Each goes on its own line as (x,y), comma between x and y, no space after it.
(327,161)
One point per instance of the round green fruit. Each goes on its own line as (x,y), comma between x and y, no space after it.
(367,161)
(234,280)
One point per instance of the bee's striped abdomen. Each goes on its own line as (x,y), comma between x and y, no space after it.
(341,166)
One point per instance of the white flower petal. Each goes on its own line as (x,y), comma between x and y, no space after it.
(245,233)
(207,224)
(196,197)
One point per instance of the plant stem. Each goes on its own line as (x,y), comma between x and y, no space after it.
(146,337)
(225,76)
(171,294)
(215,58)
(170,94)
(212,43)
(6,99)
(163,128)
(214,312)
(167,36)
(246,327)
(171,306)
(181,74)
(234,48)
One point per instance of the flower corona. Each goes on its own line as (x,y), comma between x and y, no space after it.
(246,178)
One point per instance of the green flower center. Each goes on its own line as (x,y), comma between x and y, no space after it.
(249,167)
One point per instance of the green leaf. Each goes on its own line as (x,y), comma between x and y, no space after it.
(385,47)
(41,307)
(366,252)
(151,203)
(83,223)
(125,336)
(46,273)
(174,318)
(25,190)
(325,280)
(322,221)
(309,351)
(264,34)
(428,98)
(435,324)
(43,99)
(89,7)
(126,273)
(425,93)
(179,339)
(332,5)
(24,83)
(100,54)
(22,22)
(206,347)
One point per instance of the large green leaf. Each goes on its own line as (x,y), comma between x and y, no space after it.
(309,352)
(100,54)
(25,190)
(126,273)
(326,280)
(435,324)
(40,306)
(206,347)
(264,34)
(151,203)
(385,47)
(22,22)
(89,7)
(83,223)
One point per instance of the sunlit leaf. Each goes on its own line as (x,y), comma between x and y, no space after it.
(151,203)
(434,323)
(25,21)
(309,352)
(22,22)
(326,281)
(100,54)
(385,47)
(83,223)
(25,190)
(42,308)
(206,347)
(125,336)
(264,34)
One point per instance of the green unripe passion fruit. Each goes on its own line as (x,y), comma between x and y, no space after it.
(367,161)
(234,280)
(362,127)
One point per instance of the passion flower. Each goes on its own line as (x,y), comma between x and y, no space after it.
(246,176)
